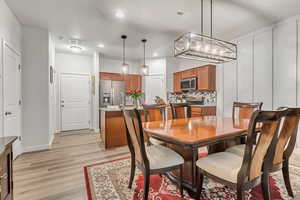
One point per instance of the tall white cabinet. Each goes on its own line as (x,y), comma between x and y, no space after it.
(285,64)
(263,68)
(245,69)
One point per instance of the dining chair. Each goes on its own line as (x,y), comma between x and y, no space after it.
(154,112)
(279,154)
(154,159)
(181,110)
(242,172)
(242,110)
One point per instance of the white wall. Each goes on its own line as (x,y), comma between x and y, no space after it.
(155,83)
(74,63)
(114,66)
(35,88)
(11,32)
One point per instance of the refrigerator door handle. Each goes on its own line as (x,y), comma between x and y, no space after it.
(113,96)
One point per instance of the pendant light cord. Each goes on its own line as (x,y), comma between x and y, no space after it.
(144,41)
(201,17)
(211,18)
(124,51)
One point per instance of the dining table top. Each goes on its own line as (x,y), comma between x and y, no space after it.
(196,130)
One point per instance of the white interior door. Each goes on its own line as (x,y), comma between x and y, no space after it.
(154,86)
(12,97)
(75,102)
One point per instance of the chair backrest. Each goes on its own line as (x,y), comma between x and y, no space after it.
(135,137)
(154,112)
(181,110)
(268,122)
(244,110)
(286,140)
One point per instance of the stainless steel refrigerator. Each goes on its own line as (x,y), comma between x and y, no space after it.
(112,93)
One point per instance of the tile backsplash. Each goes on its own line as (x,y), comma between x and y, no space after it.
(201,97)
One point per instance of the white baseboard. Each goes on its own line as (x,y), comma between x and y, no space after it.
(36,148)
(51,140)
(96,130)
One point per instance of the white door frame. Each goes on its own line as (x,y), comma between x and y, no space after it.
(59,97)
(6,44)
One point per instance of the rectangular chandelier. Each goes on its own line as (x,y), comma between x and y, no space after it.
(200,47)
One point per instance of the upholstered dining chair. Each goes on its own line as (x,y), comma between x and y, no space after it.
(243,172)
(181,110)
(154,112)
(154,159)
(279,154)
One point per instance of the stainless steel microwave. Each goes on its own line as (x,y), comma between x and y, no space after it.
(189,84)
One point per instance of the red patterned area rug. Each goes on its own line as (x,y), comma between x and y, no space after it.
(109,181)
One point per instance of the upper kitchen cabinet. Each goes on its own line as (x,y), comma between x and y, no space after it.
(206,77)
(177,79)
(191,73)
(111,76)
(133,82)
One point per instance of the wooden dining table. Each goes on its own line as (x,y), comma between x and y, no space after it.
(186,136)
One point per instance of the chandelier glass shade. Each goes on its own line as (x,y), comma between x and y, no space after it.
(144,67)
(204,48)
(124,66)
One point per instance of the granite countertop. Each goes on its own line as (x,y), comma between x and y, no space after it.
(118,108)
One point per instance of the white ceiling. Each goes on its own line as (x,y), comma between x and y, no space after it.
(94,21)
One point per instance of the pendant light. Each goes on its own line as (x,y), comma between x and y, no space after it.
(125,66)
(144,68)
(204,48)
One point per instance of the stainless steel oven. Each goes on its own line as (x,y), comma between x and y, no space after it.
(189,84)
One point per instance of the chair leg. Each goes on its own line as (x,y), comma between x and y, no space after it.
(132,173)
(199,184)
(286,177)
(181,181)
(265,185)
(146,184)
(240,192)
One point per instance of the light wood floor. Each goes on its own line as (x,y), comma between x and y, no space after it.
(57,174)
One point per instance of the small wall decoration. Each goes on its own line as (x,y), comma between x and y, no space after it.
(51,74)
(93,85)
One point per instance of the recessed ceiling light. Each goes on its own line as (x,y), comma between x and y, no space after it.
(155,54)
(120,14)
(101,45)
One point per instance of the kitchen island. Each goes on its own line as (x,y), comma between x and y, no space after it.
(112,127)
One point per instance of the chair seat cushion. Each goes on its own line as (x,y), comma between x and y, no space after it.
(237,150)
(155,141)
(224,165)
(162,157)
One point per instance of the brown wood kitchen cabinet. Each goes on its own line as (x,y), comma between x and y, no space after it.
(191,73)
(176,82)
(111,76)
(133,82)
(198,111)
(207,77)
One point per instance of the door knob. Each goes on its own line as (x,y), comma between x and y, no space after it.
(62,106)
(7,113)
